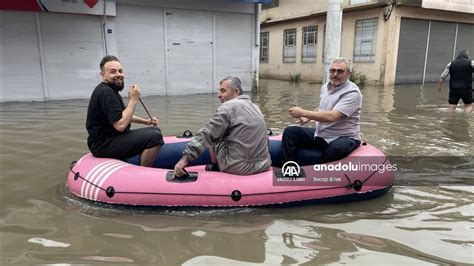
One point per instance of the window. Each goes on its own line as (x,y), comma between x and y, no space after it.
(274,3)
(289,46)
(365,39)
(264,38)
(308,51)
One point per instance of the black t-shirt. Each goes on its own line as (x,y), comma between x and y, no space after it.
(105,108)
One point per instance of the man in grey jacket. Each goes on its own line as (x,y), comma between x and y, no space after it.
(236,135)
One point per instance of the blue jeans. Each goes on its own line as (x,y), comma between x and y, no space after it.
(296,138)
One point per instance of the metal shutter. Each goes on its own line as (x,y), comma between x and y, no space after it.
(20,71)
(190,44)
(234,47)
(73,48)
(141,49)
(440,49)
(411,51)
(466,40)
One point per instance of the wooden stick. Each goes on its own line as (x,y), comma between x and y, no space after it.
(146,109)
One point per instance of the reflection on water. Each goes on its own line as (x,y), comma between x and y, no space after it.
(427,218)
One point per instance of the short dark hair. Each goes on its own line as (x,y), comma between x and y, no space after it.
(107,59)
(463,54)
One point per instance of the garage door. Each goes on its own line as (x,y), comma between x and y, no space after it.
(190,51)
(73,48)
(425,47)
(440,49)
(411,51)
(234,30)
(140,45)
(19,80)
(465,38)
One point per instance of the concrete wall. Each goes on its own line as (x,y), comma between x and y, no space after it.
(373,70)
(293,8)
(276,68)
(382,70)
(296,8)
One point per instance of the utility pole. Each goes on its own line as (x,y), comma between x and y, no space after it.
(332,45)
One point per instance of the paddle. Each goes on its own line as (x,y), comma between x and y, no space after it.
(146,108)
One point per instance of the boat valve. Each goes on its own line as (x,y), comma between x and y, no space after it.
(236,195)
(357,185)
(110,191)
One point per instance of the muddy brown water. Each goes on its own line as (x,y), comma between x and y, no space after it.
(426,218)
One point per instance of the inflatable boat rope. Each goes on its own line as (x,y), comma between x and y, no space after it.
(235,195)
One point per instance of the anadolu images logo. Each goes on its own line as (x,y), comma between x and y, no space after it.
(291,169)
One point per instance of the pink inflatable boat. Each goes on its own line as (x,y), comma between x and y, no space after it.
(366,173)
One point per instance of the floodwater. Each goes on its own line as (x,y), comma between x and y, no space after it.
(427,218)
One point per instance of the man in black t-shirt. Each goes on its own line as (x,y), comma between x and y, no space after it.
(108,119)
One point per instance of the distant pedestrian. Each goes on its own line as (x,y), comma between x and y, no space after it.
(460,83)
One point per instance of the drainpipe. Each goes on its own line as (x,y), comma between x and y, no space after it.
(42,58)
(104,30)
(256,59)
(332,45)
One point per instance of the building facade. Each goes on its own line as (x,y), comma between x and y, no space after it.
(390,42)
(51,49)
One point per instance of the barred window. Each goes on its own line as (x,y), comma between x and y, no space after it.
(264,42)
(365,40)
(308,51)
(274,3)
(289,46)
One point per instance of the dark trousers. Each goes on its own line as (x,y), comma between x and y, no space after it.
(296,138)
(129,144)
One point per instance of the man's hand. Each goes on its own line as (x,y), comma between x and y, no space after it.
(440,82)
(134,92)
(296,112)
(153,122)
(179,168)
(304,120)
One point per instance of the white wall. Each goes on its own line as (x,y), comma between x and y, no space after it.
(168,47)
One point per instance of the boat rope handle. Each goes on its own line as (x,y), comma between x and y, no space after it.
(357,184)
(78,175)
(110,191)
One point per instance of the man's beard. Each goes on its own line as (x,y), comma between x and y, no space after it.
(116,85)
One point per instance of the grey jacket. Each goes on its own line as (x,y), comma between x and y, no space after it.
(238,134)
